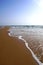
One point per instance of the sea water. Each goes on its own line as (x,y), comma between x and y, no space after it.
(33,38)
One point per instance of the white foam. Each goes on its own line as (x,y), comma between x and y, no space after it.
(34,56)
(9,34)
(20,37)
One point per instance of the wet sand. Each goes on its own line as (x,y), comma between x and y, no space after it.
(13,51)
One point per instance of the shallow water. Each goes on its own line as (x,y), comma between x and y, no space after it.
(33,36)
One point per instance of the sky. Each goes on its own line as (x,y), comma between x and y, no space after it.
(21,12)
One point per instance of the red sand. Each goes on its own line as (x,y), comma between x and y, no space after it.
(13,51)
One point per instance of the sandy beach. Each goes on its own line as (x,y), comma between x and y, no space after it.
(13,51)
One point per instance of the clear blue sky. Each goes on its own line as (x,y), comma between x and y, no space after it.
(21,12)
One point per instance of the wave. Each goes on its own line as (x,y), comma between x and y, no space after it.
(26,44)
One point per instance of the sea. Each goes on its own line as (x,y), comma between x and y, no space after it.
(32,37)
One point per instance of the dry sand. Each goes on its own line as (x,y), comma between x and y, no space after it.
(13,51)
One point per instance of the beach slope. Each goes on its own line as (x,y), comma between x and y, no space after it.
(13,51)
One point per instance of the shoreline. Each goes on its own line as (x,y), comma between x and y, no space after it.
(26,44)
(13,51)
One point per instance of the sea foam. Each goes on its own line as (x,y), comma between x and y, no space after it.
(34,56)
(26,44)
